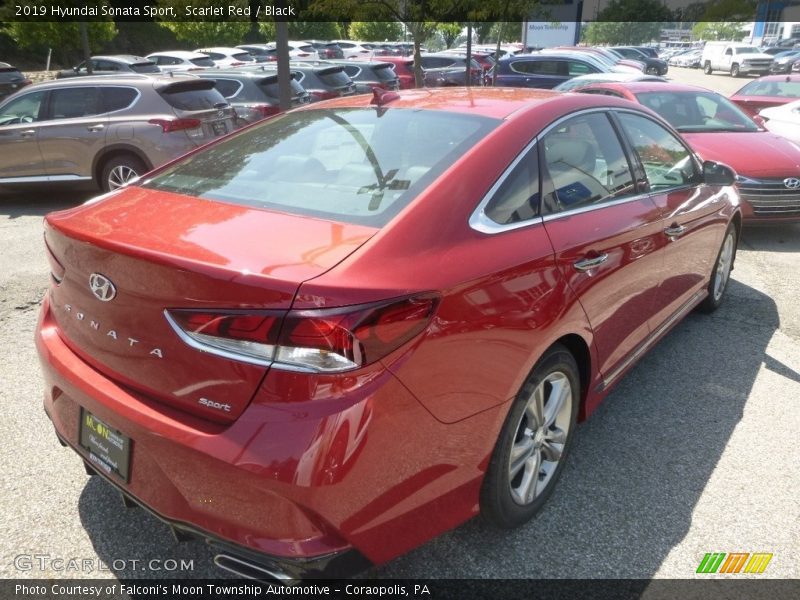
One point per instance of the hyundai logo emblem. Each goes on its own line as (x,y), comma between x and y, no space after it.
(792,183)
(102,288)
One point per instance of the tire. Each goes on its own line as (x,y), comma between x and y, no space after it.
(734,70)
(707,68)
(721,273)
(511,493)
(119,170)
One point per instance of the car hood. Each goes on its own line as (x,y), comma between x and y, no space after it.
(753,154)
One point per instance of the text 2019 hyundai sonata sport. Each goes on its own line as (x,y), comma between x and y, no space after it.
(331,336)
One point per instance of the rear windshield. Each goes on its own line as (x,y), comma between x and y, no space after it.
(358,165)
(145,67)
(203,62)
(335,77)
(697,111)
(790,89)
(193,95)
(385,72)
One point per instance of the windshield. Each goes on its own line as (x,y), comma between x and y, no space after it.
(747,50)
(357,165)
(789,89)
(697,111)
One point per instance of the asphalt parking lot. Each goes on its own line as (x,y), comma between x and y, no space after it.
(695,451)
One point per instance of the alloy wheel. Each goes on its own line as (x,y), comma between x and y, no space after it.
(120,175)
(724,264)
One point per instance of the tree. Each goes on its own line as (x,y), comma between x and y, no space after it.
(314,30)
(718,31)
(212,31)
(376,31)
(449,32)
(620,22)
(62,36)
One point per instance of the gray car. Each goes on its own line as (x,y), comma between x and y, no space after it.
(114,64)
(104,131)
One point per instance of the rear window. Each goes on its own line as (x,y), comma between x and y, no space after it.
(353,165)
(193,95)
(203,62)
(334,77)
(9,74)
(790,89)
(269,85)
(117,98)
(308,48)
(145,67)
(244,57)
(385,72)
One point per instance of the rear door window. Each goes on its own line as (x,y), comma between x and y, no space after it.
(73,103)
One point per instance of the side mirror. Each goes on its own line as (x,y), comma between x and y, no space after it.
(715,173)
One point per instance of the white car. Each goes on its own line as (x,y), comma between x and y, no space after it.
(181,60)
(352,49)
(225,58)
(784,120)
(581,80)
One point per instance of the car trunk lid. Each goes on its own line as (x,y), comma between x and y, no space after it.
(162,251)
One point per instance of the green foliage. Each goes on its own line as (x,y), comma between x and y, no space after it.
(62,36)
(314,30)
(212,31)
(376,31)
(621,32)
(449,32)
(718,31)
(730,10)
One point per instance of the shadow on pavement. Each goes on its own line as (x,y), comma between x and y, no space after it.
(771,238)
(40,202)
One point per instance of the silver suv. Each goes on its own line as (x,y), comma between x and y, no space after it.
(106,130)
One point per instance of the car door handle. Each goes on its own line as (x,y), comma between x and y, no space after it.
(27,133)
(590,263)
(99,127)
(675,231)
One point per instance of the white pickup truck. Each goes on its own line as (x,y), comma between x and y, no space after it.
(737,59)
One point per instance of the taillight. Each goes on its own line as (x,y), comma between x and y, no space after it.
(327,341)
(265,110)
(236,64)
(170,125)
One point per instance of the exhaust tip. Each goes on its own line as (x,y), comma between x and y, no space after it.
(250,570)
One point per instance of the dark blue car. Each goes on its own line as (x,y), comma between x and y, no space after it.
(544,70)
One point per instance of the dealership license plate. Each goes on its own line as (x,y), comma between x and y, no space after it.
(109,450)
(219,128)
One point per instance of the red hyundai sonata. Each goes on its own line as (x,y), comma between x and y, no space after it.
(768,165)
(341,331)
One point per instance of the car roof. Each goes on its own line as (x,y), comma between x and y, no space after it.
(491,102)
(221,49)
(179,54)
(122,78)
(123,58)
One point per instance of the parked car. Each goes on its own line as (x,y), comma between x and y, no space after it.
(775,50)
(361,323)
(105,131)
(767,91)
(177,61)
(544,70)
(114,64)
(225,58)
(582,80)
(11,80)
(403,70)
(653,65)
(783,120)
(736,59)
(326,50)
(322,81)
(718,130)
(443,69)
(254,94)
(691,59)
(609,60)
(369,74)
(782,63)
(352,49)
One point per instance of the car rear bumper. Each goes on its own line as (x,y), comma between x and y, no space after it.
(309,487)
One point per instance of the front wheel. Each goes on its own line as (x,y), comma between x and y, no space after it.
(707,68)
(734,70)
(721,274)
(533,443)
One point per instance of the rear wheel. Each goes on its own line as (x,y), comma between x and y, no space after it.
(721,274)
(707,68)
(120,170)
(533,443)
(734,70)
